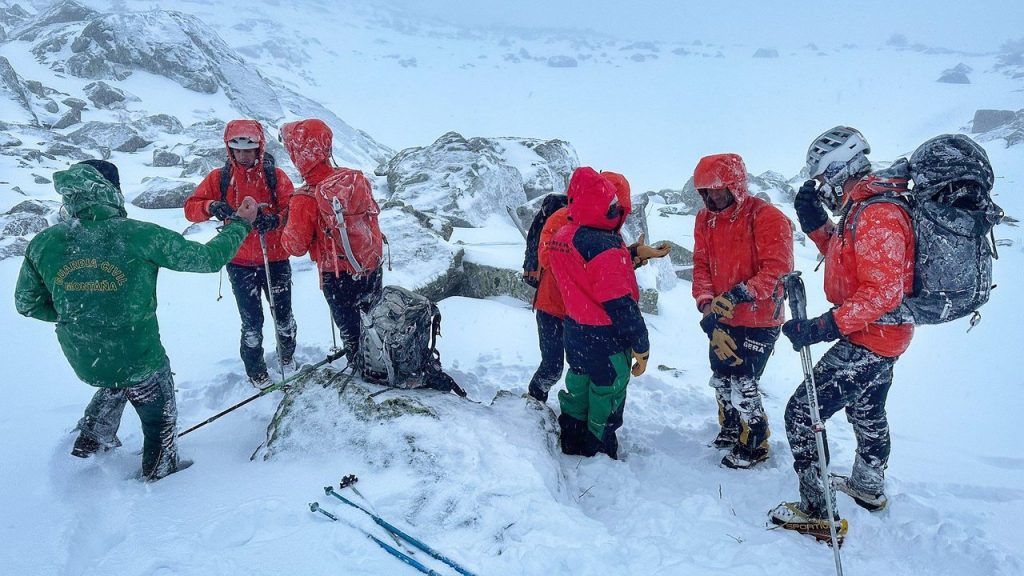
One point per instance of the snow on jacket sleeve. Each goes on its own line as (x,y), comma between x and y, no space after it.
(773,239)
(821,235)
(198,204)
(882,236)
(31,296)
(298,232)
(701,287)
(168,249)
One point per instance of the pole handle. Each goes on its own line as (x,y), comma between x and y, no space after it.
(796,293)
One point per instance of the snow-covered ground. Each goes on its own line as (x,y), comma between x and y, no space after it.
(496,495)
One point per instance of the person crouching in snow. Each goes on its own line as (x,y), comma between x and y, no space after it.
(742,248)
(604,330)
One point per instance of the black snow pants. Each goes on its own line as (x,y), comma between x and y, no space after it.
(153,400)
(248,283)
(346,295)
(550,333)
(740,408)
(855,378)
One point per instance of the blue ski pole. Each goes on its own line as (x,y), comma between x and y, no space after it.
(315,508)
(390,528)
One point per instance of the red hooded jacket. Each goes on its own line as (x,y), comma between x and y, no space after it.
(245,182)
(750,241)
(868,277)
(309,144)
(594,270)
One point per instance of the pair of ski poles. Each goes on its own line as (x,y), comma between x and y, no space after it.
(391,529)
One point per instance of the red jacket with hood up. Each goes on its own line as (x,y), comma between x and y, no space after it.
(868,273)
(245,182)
(750,241)
(309,145)
(594,271)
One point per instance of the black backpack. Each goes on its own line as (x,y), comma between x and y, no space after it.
(269,170)
(398,342)
(531,266)
(953,215)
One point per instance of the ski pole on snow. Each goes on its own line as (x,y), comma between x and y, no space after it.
(390,528)
(315,508)
(797,296)
(270,297)
(330,358)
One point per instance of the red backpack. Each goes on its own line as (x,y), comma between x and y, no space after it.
(348,218)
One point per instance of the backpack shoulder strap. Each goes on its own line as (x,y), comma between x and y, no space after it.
(225,181)
(270,171)
(854,216)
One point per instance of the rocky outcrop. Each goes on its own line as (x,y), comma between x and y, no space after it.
(985,120)
(163,193)
(112,136)
(419,258)
(24,220)
(105,96)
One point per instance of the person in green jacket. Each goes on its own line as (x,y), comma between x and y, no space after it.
(94,275)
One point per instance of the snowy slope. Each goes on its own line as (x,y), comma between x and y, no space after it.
(499,498)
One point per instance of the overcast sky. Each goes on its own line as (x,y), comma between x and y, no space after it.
(978,25)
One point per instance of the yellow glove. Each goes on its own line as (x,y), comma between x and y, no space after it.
(640,363)
(645,252)
(724,347)
(722,306)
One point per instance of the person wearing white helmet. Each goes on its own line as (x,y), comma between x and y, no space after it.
(261,265)
(869,267)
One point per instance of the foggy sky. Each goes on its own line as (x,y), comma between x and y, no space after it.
(981,25)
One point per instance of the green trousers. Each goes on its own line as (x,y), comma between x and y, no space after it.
(599,406)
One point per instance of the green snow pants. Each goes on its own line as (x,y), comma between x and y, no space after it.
(591,413)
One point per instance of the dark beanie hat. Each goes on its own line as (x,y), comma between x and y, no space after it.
(108,170)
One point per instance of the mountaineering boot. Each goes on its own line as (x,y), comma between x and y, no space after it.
(85,447)
(744,457)
(727,438)
(790,516)
(866,500)
(260,381)
(537,393)
(572,431)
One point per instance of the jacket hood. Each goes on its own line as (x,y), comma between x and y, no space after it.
(722,171)
(309,144)
(594,200)
(250,129)
(87,194)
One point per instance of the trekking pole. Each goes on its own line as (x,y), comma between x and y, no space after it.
(330,358)
(270,297)
(349,481)
(390,528)
(315,508)
(797,296)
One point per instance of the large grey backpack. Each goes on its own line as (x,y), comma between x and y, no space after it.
(398,342)
(953,216)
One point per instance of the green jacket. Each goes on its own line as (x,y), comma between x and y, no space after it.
(95,276)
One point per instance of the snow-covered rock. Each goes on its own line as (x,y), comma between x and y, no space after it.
(419,257)
(159,192)
(164,158)
(985,120)
(113,136)
(465,180)
(105,96)
(23,220)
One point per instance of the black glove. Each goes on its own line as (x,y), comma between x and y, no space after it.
(725,303)
(806,332)
(266,222)
(220,210)
(709,323)
(809,210)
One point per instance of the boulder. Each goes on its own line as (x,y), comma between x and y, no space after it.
(69,118)
(117,137)
(105,96)
(985,120)
(562,62)
(158,125)
(165,158)
(463,179)
(23,224)
(163,193)
(420,259)
(12,247)
(954,77)
(549,171)
(766,53)
(486,281)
